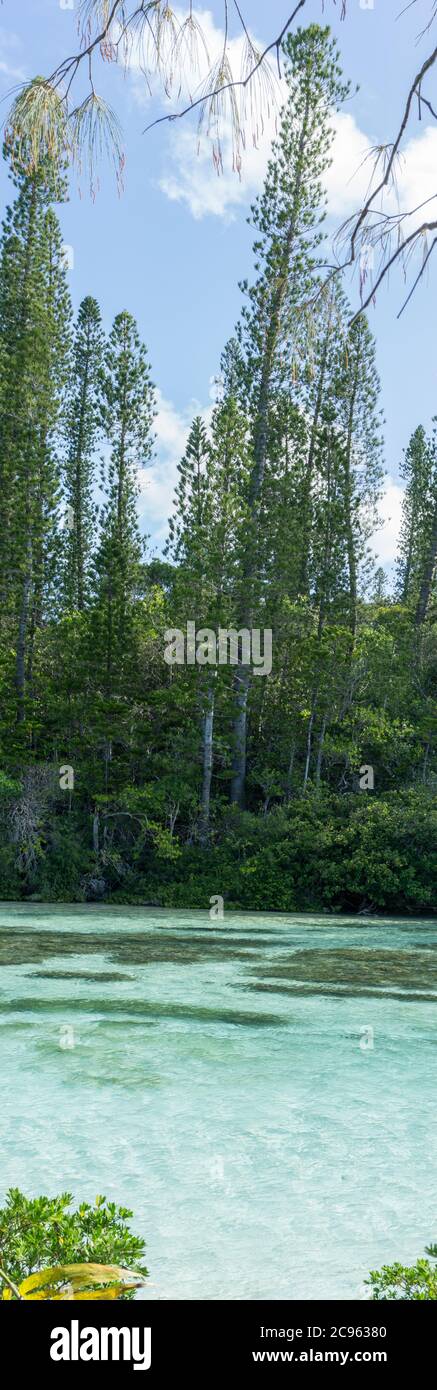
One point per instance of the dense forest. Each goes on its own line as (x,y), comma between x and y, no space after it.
(126,777)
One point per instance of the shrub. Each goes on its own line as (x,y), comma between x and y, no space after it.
(404,1282)
(41,1232)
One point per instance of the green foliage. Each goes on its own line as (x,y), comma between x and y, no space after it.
(320,853)
(417,561)
(82,420)
(37,1232)
(406,1282)
(9,786)
(35,316)
(271,528)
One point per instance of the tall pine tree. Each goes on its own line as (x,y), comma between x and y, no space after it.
(127,424)
(287,218)
(34,350)
(83,426)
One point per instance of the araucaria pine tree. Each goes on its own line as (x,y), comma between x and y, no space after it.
(417,558)
(83,428)
(187,525)
(34,348)
(127,424)
(359,421)
(205,541)
(287,218)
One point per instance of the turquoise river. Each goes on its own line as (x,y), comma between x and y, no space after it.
(259,1090)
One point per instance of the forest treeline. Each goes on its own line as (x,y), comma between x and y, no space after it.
(125,777)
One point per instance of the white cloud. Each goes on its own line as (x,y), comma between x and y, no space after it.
(417,177)
(190,177)
(10,45)
(347,179)
(193,180)
(14,74)
(158,482)
(385,539)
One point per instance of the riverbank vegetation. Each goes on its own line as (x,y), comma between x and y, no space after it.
(407,1283)
(48,1249)
(124,777)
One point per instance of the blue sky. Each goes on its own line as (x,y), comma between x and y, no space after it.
(174,245)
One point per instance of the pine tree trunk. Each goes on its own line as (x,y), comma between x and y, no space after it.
(309,743)
(207,762)
(408,563)
(240,736)
(22,635)
(80,559)
(290,773)
(306,498)
(320,748)
(350,539)
(425,763)
(96,834)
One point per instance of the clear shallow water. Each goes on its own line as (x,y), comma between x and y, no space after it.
(221,1085)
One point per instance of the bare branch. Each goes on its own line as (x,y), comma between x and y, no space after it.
(243,82)
(426,66)
(371,224)
(40,121)
(421,272)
